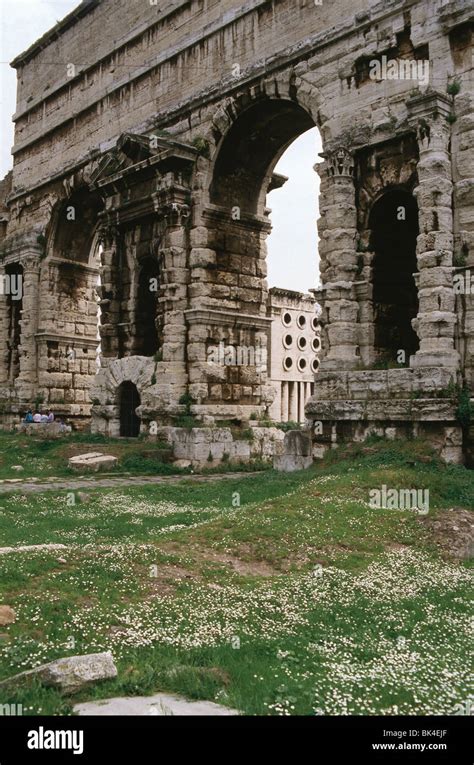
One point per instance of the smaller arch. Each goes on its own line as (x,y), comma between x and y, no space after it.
(128,401)
(74,226)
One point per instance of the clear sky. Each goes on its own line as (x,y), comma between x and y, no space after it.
(292,246)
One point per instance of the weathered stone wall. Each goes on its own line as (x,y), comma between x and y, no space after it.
(165,137)
(211,447)
(147,58)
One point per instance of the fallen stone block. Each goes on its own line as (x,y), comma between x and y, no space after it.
(159,705)
(297,452)
(92,462)
(44,430)
(182,464)
(7,615)
(71,674)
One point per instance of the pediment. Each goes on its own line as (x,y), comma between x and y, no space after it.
(137,152)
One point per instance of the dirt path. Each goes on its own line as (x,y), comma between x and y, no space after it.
(71,484)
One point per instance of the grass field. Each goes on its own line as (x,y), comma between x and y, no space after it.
(273,594)
(40,458)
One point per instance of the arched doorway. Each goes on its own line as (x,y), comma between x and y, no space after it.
(394,231)
(129,400)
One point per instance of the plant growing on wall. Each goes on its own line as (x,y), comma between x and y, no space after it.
(202,146)
(41,240)
(464,410)
(452,89)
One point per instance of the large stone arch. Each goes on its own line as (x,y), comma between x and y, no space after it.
(285,86)
(228,290)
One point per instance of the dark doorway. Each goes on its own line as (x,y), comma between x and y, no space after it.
(394,230)
(129,400)
(13,289)
(146,343)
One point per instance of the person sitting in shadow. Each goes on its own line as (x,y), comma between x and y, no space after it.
(28,416)
(37,417)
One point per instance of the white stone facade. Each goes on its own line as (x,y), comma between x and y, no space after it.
(294,350)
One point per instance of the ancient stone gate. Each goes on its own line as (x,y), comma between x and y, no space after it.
(146,140)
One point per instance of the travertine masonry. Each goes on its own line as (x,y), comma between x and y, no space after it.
(145,146)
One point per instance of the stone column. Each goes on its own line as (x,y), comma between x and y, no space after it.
(109,239)
(284,402)
(302,400)
(293,402)
(338,230)
(174,288)
(26,383)
(463,174)
(436,320)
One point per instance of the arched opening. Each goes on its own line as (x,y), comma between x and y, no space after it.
(73,261)
(251,149)
(13,288)
(129,400)
(146,335)
(292,245)
(394,229)
(76,222)
(238,221)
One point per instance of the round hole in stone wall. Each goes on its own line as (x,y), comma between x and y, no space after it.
(286,319)
(315,323)
(302,343)
(301,321)
(315,365)
(287,363)
(316,344)
(302,364)
(288,341)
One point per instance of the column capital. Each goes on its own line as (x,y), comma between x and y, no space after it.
(31,262)
(339,162)
(108,234)
(428,114)
(429,106)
